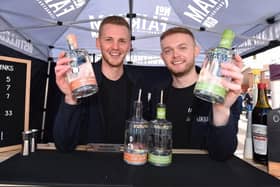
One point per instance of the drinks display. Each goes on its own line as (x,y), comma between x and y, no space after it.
(259,125)
(208,86)
(136,136)
(160,152)
(81,77)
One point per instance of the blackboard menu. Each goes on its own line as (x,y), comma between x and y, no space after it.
(14,99)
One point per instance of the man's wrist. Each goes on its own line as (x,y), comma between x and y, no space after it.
(69,99)
(220,115)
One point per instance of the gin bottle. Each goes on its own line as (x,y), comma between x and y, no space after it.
(160,153)
(136,136)
(209,86)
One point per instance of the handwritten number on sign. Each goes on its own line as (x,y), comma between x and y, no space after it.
(8,79)
(8,113)
(8,86)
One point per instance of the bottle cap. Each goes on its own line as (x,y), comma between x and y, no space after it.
(227,39)
(72,40)
(261,85)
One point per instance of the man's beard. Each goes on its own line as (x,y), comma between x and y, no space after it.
(185,72)
(118,64)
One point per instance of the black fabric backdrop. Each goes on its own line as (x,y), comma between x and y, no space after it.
(152,76)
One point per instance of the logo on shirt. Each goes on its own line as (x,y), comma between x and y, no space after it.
(189,114)
(202,119)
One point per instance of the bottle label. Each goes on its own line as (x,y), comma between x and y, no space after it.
(259,132)
(212,88)
(135,158)
(160,159)
(161,113)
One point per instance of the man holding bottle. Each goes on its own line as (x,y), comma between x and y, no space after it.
(99,118)
(197,123)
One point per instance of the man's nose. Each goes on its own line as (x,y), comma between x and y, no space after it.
(175,52)
(115,45)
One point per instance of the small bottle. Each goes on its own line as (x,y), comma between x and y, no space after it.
(160,153)
(81,77)
(136,136)
(259,125)
(33,143)
(208,86)
(25,149)
(248,145)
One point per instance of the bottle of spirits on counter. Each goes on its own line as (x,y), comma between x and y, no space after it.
(259,125)
(136,136)
(208,86)
(160,151)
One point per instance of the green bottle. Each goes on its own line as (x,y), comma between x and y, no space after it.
(160,151)
(208,86)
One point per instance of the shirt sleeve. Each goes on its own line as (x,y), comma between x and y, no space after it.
(222,141)
(66,127)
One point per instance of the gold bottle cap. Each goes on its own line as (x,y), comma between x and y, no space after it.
(72,40)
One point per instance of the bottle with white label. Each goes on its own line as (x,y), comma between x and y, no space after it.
(259,125)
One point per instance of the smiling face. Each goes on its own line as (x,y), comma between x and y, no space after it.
(114,43)
(178,52)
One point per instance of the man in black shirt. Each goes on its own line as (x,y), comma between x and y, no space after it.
(197,123)
(99,118)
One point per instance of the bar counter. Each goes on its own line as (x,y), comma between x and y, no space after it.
(48,167)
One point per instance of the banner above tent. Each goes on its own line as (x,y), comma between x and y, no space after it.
(38,27)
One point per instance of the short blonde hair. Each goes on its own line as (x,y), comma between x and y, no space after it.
(115,20)
(175,30)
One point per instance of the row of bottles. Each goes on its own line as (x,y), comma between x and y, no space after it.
(148,141)
(256,137)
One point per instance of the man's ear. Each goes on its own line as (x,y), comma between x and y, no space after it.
(196,50)
(161,56)
(97,43)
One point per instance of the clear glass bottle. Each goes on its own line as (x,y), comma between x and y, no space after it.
(160,151)
(208,86)
(81,77)
(136,136)
(259,125)
(248,145)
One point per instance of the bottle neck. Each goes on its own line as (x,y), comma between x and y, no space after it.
(161,111)
(262,100)
(71,46)
(226,39)
(137,110)
(72,42)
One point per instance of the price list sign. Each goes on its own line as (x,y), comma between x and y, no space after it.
(14,99)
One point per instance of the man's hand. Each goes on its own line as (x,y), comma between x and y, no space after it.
(61,68)
(232,70)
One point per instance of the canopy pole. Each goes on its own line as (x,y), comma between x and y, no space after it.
(131,15)
(45,100)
